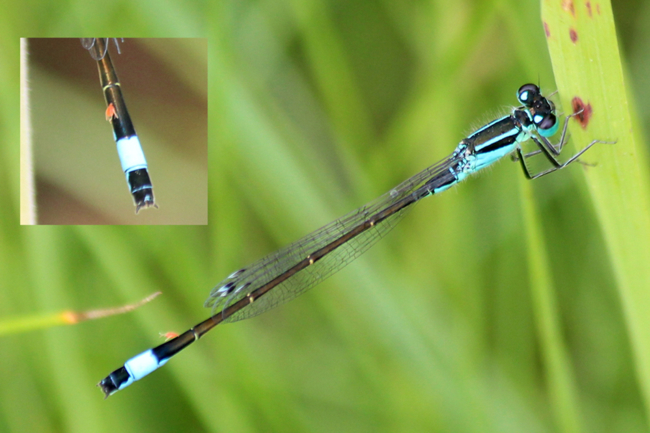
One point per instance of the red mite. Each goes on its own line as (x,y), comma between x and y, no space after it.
(111,112)
(168,335)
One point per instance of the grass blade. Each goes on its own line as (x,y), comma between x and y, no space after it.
(587,65)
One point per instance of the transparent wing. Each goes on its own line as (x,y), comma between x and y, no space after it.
(96,51)
(244,281)
(87,43)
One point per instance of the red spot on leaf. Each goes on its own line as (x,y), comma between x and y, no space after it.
(546,30)
(584,111)
(573,35)
(588,4)
(567,5)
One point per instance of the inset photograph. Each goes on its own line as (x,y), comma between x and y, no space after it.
(117,131)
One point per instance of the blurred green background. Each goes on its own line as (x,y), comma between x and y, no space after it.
(316,107)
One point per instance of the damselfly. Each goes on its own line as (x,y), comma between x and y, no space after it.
(129,150)
(289,272)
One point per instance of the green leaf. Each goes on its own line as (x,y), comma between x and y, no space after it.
(587,65)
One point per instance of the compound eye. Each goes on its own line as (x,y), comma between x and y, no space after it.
(546,125)
(527,94)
